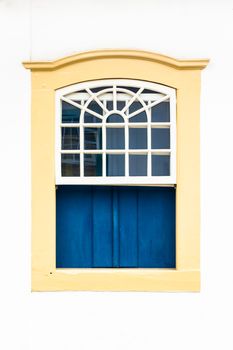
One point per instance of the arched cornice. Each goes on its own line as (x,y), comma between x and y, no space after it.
(125,54)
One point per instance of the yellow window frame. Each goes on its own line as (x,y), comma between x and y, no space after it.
(47,77)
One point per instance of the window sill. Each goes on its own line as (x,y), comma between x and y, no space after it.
(149,279)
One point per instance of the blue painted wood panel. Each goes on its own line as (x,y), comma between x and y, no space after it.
(111,226)
(156,227)
(115,228)
(74,227)
(128,233)
(102,223)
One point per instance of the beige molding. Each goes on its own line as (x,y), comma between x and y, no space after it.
(130,54)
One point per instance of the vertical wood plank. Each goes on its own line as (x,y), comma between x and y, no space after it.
(115,227)
(74,227)
(156,227)
(128,239)
(102,226)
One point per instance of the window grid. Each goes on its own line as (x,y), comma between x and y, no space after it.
(114,94)
(127,142)
(127,151)
(104,141)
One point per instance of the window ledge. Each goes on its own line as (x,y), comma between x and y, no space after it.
(149,279)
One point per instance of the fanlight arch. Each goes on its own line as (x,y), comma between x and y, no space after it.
(115,117)
(116,131)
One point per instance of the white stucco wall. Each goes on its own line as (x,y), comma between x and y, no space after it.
(48,29)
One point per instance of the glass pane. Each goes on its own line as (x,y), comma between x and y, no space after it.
(92,164)
(130,88)
(70,114)
(115,138)
(70,165)
(160,138)
(120,104)
(90,118)
(160,165)
(137,138)
(161,112)
(70,138)
(148,91)
(97,89)
(137,165)
(115,165)
(141,117)
(92,138)
(115,118)
(110,105)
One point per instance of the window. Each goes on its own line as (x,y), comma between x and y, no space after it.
(112,132)
(116,132)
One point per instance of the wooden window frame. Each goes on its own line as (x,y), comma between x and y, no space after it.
(47,77)
(167,95)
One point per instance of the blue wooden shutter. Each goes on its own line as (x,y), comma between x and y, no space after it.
(104,226)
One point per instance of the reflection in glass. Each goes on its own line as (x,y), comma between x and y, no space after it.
(92,164)
(115,165)
(70,138)
(161,112)
(115,138)
(160,165)
(90,118)
(92,138)
(160,138)
(70,114)
(70,165)
(141,117)
(137,165)
(137,138)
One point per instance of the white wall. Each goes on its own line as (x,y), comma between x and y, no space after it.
(48,29)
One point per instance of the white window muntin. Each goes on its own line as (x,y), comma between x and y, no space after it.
(161,94)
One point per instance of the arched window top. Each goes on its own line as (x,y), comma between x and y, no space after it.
(116,131)
(115,118)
